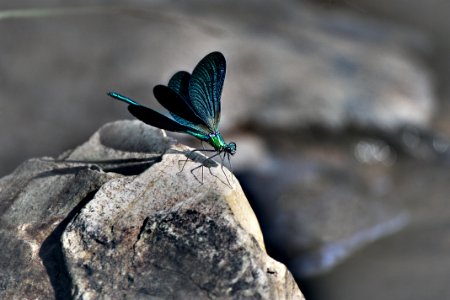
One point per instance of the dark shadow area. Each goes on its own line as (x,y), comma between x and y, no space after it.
(132,169)
(247,179)
(52,256)
(126,167)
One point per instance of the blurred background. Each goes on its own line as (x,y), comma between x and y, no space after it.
(339,110)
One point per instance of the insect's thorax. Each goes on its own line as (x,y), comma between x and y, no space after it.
(216,140)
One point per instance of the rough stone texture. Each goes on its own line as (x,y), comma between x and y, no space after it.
(94,224)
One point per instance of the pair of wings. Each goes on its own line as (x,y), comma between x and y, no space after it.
(193,100)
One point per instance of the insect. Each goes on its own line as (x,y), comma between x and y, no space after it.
(193,101)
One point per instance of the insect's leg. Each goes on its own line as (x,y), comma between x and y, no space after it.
(208,158)
(201,165)
(229,162)
(189,154)
(222,160)
(187,158)
(192,172)
(212,156)
(223,171)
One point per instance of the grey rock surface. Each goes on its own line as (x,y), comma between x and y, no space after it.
(95,224)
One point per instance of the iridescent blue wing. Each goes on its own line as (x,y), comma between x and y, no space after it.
(205,88)
(178,108)
(153,118)
(180,84)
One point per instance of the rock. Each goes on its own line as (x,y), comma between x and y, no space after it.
(94,224)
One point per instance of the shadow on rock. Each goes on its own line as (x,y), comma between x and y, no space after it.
(53,258)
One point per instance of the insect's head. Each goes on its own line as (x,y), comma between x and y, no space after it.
(231,148)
